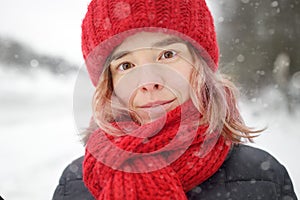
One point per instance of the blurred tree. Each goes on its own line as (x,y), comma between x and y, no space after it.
(14,54)
(252,33)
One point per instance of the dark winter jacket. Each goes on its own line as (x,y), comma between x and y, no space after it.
(248,173)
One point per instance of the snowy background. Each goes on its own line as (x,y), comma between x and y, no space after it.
(38,130)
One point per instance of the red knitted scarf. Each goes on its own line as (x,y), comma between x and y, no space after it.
(159,160)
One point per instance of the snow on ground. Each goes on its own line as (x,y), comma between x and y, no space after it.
(39,136)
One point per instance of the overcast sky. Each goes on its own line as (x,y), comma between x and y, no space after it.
(49,26)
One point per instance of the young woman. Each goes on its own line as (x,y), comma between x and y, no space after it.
(165,123)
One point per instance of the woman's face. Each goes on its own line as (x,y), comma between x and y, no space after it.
(151,73)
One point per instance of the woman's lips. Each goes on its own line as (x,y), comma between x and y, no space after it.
(156,103)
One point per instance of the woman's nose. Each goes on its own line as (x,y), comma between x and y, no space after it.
(151,87)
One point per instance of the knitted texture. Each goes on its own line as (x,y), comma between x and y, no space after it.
(160,160)
(105,20)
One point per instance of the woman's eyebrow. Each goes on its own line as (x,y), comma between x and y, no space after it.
(119,55)
(168,41)
(165,42)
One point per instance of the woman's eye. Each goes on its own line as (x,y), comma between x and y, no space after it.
(168,54)
(124,66)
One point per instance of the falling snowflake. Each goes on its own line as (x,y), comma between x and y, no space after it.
(197,189)
(221,19)
(274,4)
(106,25)
(74,168)
(240,58)
(34,63)
(122,10)
(265,165)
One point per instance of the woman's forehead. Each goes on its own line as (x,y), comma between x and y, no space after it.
(147,40)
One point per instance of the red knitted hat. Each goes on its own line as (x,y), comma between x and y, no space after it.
(108,22)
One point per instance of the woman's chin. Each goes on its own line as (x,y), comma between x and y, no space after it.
(152,113)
